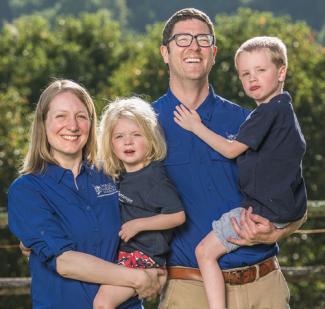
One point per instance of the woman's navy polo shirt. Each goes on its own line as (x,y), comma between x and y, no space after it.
(52,213)
(206,181)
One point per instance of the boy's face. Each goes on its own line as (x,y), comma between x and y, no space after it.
(260,77)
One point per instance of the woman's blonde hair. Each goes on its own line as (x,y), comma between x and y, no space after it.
(143,114)
(39,151)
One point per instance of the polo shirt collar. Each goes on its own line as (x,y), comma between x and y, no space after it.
(205,109)
(58,172)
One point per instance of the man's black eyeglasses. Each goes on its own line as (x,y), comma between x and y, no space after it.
(186,39)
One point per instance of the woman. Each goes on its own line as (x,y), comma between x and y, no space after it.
(66,211)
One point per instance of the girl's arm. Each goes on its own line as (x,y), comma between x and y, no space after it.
(154,223)
(191,121)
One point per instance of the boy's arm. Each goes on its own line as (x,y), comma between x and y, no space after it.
(191,121)
(154,223)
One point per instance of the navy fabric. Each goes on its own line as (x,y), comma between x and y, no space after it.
(206,181)
(270,172)
(52,213)
(143,194)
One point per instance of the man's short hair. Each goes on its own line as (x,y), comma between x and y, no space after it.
(181,15)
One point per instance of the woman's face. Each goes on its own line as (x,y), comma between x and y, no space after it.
(67,127)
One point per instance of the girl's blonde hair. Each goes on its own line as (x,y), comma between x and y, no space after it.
(39,151)
(143,114)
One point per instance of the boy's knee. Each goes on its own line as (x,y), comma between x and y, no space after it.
(201,251)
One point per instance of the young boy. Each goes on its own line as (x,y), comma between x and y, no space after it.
(271,148)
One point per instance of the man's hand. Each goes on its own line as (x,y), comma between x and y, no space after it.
(152,283)
(253,229)
(129,229)
(188,119)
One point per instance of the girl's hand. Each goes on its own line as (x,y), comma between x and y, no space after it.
(188,119)
(129,229)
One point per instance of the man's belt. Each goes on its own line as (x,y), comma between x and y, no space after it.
(235,276)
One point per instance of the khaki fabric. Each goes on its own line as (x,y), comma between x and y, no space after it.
(268,292)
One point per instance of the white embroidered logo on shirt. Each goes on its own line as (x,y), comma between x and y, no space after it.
(105,189)
(124,199)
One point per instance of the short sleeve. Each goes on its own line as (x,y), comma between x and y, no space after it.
(31,219)
(165,198)
(256,127)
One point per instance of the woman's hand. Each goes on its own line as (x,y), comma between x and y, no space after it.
(152,282)
(24,250)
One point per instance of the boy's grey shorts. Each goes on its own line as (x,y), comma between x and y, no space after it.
(223,228)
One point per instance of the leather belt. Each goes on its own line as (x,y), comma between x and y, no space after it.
(235,276)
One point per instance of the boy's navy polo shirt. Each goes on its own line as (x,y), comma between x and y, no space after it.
(205,180)
(270,173)
(51,213)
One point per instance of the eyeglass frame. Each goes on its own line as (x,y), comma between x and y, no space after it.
(173,37)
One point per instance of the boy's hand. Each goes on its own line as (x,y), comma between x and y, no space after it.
(129,229)
(188,119)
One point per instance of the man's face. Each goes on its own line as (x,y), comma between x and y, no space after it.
(192,62)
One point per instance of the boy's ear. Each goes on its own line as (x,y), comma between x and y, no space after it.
(282,73)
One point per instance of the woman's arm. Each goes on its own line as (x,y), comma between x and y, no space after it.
(154,223)
(88,268)
(254,229)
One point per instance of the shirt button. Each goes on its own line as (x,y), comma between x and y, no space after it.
(88,207)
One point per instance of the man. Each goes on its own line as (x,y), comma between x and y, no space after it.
(207,182)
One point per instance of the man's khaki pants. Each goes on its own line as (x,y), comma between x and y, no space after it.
(268,292)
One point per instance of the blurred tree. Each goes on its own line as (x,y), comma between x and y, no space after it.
(52,8)
(14,123)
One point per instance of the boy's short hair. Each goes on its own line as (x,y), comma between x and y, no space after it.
(181,15)
(275,46)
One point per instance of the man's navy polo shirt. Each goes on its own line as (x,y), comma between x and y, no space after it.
(205,180)
(270,173)
(51,213)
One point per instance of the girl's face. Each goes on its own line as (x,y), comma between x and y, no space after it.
(129,144)
(67,127)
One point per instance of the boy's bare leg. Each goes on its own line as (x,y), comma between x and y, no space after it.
(110,296)
(207,253)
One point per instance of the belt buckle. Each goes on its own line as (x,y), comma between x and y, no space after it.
(237,277)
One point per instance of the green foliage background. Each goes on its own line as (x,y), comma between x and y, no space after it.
(96,50)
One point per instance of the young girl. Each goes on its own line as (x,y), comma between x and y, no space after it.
(131,147)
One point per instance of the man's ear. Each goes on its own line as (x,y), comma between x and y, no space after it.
(164,53)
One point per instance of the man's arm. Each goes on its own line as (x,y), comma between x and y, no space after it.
(191,121)
(254,229)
